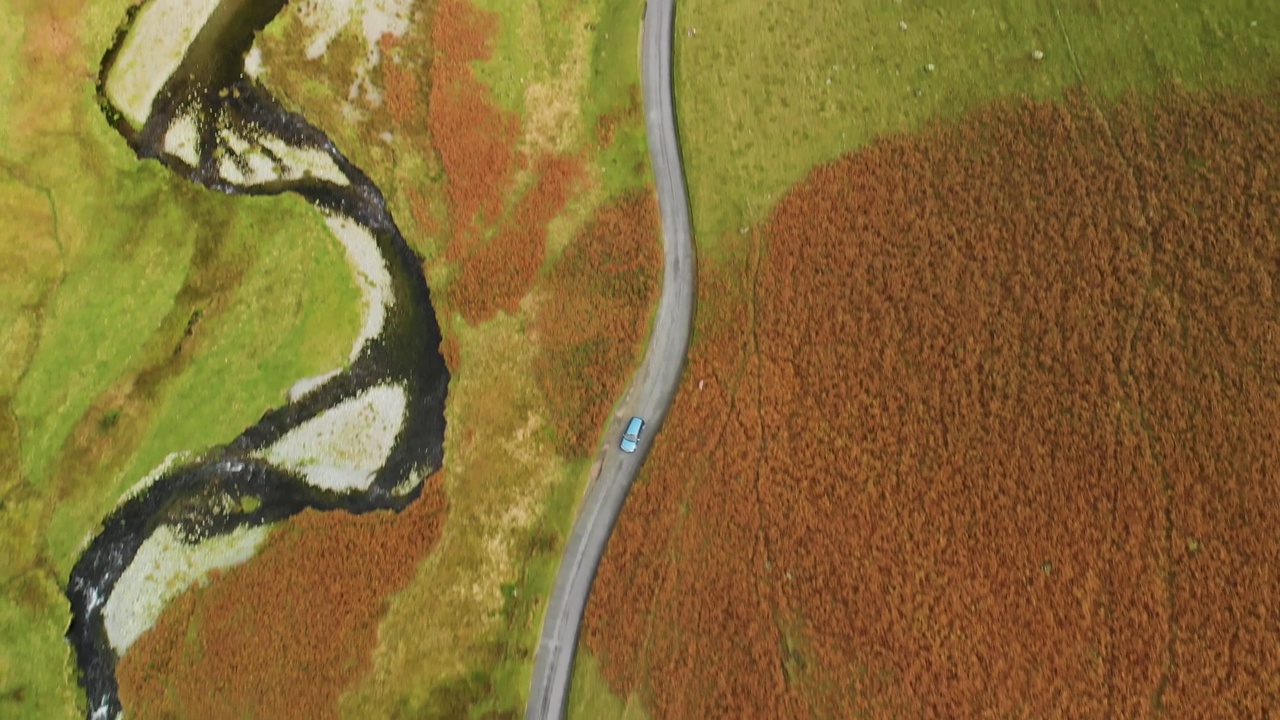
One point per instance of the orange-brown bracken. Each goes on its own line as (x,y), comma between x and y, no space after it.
(474,139)
(589,326)
(499,273)
(986,428)
(284,634)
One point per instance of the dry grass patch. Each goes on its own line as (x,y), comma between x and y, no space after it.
(498,476)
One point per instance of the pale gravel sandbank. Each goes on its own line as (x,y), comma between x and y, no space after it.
(306,385)
(154,48)
(306,161)
(371,275)
(325,19)
(163,569)
(253,62)
(182,139)
(342,448)
(294,163)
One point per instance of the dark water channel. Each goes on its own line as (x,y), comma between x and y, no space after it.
(203,497)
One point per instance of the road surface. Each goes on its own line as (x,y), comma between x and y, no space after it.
(652,389)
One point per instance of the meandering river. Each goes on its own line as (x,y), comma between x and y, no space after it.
(213,125)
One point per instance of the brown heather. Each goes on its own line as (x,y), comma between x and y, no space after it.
(399,85)
(474,139)
(988,429)
(282,636)
(498,250)
(590,324)
(499,273)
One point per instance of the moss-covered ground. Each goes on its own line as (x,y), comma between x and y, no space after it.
(139,315)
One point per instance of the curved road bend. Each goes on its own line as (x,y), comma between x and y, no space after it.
(652,389)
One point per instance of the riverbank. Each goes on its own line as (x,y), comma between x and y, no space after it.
(126,321)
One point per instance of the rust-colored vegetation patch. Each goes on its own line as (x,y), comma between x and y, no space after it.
(986,430)
(590,324)
(497,217)
(475,139)
(400,87)
(283,635)
(500,272)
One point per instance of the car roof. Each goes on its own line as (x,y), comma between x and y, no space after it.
(635,425)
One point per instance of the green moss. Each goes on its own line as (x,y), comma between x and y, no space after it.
(113,297)
(767,90)
(520,48)
(614,90)
(291,311)
(591,698)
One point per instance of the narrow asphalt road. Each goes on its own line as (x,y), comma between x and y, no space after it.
(652,389)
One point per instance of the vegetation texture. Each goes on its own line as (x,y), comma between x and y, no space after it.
(138,316)
(590,326)
(283,635)
(982,427)
(480,126)
(766,90)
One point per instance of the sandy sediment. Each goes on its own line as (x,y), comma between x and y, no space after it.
(253,62)
(285,162)
(325,19)
(182,140)
(154,49)
(375,18)
(303,162)
(343,447)
(371,274)
(164,567)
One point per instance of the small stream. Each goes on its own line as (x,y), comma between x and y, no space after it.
(237,486)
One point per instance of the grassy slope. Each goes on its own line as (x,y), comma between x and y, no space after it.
(767,90)
(105,261)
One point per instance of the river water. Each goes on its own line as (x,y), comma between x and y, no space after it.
(238,486)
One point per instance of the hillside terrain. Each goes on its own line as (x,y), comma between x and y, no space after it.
(147,316)
(976,420)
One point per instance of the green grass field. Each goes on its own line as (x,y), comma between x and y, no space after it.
(590,696)
(767,90)
(105,262)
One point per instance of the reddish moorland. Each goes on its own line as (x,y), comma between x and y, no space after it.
(500,272)
(981,423)
(591,322)
(475,139)
(282,636)
(498,226)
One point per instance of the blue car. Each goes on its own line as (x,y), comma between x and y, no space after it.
(631,438)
